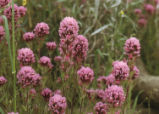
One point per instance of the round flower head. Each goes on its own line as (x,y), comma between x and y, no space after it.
(57,92)
(13,113)
(115,95)
(149,8)
(57,104)
(2,80)
(51,45)
(101,108)
(8,13)
(4,3)
(136,72)
(132,47)
(28,36)
(68,28)
(41,29)
(2,32)
(47,93)
(80,48)
(138,11)
(120,70)
(86,75)
(100,94)
(26,56)
(27,76)
(45,61)
(142,22)
(57,58)
(22,11)
(32,92)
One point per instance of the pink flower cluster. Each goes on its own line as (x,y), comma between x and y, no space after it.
(101,108)
(32,92)
(86,75)
(115,95)
(57,104)
(13,113)
(26,56)
(41,29)
(120,70)
(149,8)
(18,12)
(29,36)
(136,72)
(45,61)
(4,3)
(3,80)
(51,45)
(57,58)
(27,76)
(132,47)
(47,93)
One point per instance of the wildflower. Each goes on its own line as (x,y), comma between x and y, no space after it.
(41,29)
(4,3)
(24,2)
(122,13)
(120,70)
(57,58)
(3,80)
(13,113)
(57,104)
(142,22)
(132,47)
(26,56)
(149,8)
(58,92)
(32,92)
(86,75)
(80,48)
(29,36)
(115,95)
(45,61)
(100,94)
(136,72)
(47,93)
(138,11)
(22,11)
(91,93)
(101,108)
(51,45)
(27,76)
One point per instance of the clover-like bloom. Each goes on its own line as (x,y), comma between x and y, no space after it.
(138,11)
(8,13)
(57,104)
(57,58)
(101,108)
(27,76)
(120,70)
(149,8)
(86,75)
(51,45)
(136,72)
(26,56)
(45,61)
(28,36)
(32,92)
(100,94)
(3,80)
(115,95)
(80,48)
(4,3)
(68,28)
(142,22)
(41,29)
(22,11)
(132,47)
(47,93)
(13,113)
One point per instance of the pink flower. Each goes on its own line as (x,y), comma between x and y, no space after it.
(142,22)
(2,33)
(91,93)
(57,58)
(51,45)
(27,76)
(120,70)
(28,36)
(13,113)
(3,80)
(32,92)
(4,3)
(86,75)
(149,8)
(47,93)
(45,61)
(58,92)
(8,13)
(115,95)
(80,48)
(138,11)
(101,108)
(100,94)
(136,72)
(57,104)
(22,11)
(41,29)
(132,47)
(26,56)
(68,28)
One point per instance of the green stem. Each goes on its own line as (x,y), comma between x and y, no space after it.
(13,51)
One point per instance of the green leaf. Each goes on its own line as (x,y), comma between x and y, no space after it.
(1,111)
(135,101)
